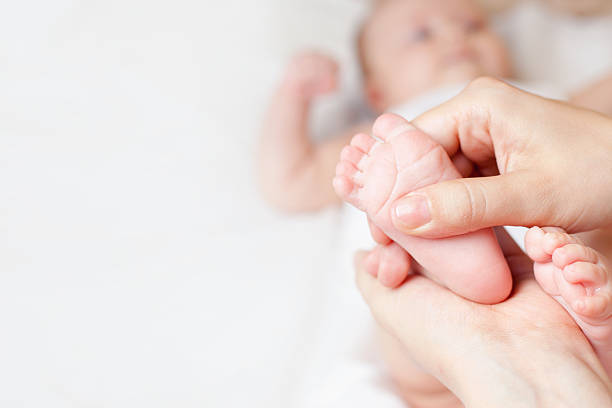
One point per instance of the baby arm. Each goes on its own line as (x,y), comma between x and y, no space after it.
(295,173)
(597,97)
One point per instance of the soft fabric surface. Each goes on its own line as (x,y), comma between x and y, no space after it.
(138,265)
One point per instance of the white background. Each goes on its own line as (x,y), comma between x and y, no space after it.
(138,265)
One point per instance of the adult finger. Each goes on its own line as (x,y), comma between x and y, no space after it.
(463,205)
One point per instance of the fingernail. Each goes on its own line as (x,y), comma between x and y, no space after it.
(412,212)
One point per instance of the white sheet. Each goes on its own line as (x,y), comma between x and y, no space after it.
(138,266)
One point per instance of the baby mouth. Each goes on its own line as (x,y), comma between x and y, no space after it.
(459,57)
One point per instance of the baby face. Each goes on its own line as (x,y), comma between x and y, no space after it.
(411,46)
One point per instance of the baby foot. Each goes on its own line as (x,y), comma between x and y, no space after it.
(389,263)
(372,175)
(580,279)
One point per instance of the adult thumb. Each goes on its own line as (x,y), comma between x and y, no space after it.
(459,206)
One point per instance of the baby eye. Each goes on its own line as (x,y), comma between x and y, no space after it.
(420,35)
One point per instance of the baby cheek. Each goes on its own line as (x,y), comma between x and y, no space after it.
(407,75)
(420,68)
(495,58)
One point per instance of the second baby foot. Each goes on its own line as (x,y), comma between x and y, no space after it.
(372,175)
(579,278)
(389,263)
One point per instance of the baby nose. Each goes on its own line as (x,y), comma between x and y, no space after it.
(453,33)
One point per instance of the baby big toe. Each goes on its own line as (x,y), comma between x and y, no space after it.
(541,243)
(394,265)
(388,125)
(534,245)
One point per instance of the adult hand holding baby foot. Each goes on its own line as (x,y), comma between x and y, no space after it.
(549,164)
(546,162)
(525,351)
(372,175)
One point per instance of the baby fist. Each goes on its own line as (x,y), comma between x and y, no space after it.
(312,74)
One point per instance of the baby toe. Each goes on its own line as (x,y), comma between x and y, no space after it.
(352,155)
(372,261)
(394,265)
(346,189)
(345,168)
(363,142)
(585,273)
(556,238)
(534,245)
(597,306)
(571,253)
(569,291)
(389,125)
(545,276)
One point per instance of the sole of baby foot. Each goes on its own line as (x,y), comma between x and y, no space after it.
(374,173)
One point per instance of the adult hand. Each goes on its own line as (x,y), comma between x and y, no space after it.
(545,163)
(526,351)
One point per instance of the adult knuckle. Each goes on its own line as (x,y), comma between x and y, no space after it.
(474,200)
(485,82)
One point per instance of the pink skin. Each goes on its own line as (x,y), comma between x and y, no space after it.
(372,175)
(389,263)
(580,279)
(397,264)
(410,47)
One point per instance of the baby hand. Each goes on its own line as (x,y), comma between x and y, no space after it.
(312,74)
